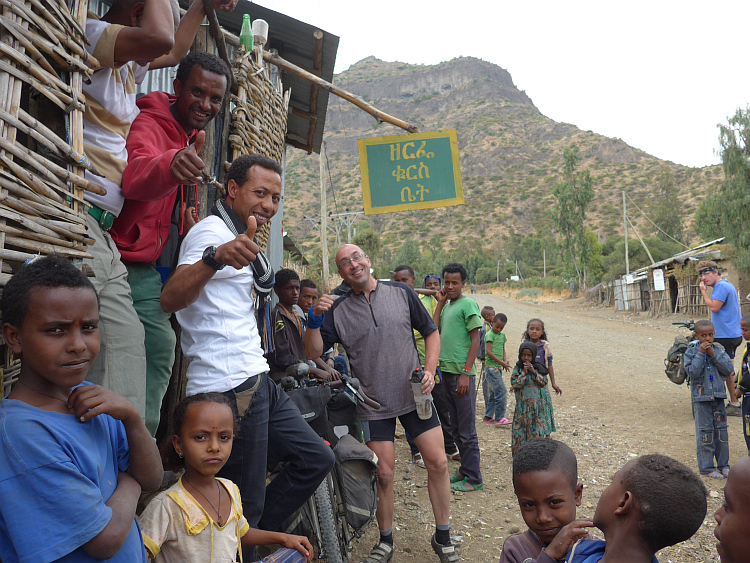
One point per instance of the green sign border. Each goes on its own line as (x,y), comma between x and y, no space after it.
(449,134)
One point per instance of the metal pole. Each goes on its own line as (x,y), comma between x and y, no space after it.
(625,227)
(323,216)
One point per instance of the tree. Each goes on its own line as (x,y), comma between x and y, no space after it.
(735,192)
(485,275)
(709,218)
(665,211)
(594,262)
(573,195)
(369,241)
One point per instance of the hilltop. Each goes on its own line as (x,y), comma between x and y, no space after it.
(510,157)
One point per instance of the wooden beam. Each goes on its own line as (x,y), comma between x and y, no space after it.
(299,145)
(218,35)
(348,96)
(304,114)
(317,66)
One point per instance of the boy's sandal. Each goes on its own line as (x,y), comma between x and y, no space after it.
(446,553)
(417,460)
(454,456)
(381,553)
(502,422)
(457,477)
(466,487)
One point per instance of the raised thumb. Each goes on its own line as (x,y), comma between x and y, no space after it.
(252,226)
(200,138)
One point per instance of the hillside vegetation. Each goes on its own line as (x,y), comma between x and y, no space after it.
(510,157)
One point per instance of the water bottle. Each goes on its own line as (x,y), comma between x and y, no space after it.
(424,402)
(246,32)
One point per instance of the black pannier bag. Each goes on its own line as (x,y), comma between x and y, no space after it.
(358,467)
(312,403)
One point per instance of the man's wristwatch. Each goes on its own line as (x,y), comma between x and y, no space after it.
(208,258)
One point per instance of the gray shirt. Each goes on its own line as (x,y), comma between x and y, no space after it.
(378,338)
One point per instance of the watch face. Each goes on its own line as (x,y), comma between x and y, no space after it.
(208,258)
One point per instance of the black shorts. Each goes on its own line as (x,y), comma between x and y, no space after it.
(729,344)
(384,430)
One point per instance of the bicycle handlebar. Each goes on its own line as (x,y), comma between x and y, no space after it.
(354,387)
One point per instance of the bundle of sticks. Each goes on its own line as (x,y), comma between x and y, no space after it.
(43,62)
(258,124)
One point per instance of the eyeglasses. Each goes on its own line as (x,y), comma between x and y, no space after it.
(432,276)
(356,257)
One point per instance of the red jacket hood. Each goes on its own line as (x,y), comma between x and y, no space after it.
(156,104)
(142,227)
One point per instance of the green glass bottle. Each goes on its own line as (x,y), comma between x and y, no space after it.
(246,33)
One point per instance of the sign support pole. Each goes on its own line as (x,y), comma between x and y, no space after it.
(323,216)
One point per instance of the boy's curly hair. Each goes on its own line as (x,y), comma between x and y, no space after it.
(307,283)
(48,272)
(670,497)
(546,454)
(455,268)
(284,276)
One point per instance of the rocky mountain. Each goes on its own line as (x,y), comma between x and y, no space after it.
(511,157)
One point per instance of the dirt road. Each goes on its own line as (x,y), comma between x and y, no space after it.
(616,404)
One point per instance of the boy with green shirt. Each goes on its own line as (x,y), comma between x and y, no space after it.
(405,274)
(459,323)
(493,372)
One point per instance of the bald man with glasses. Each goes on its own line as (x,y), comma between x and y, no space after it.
(374,322)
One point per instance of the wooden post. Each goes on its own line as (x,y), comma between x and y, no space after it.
(625,227)
(323,216)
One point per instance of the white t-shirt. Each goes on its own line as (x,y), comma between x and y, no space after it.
(110,111)
(219,332)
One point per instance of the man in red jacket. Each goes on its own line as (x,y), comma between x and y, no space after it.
(163,147)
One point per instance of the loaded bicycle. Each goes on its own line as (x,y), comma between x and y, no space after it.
(344,504)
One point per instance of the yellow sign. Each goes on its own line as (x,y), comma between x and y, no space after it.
(405,172)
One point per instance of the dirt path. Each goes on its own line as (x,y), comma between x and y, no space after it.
(616,404)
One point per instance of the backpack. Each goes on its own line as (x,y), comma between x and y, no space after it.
(481,353)
(673,364)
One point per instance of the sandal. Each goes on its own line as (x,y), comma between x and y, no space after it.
(457,477)
(455,455)
(502,422)
(417,460)
(381,553)
(463,486)
(446,553)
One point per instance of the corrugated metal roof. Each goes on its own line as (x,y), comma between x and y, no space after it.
(696,252)
(294,41)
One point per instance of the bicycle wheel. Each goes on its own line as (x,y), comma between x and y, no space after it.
(329,529)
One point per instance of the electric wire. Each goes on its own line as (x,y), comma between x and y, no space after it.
(654,224)
(330,181)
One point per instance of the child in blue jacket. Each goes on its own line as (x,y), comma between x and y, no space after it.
(707,366)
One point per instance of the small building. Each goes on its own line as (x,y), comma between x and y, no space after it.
(674,283)
(632,292)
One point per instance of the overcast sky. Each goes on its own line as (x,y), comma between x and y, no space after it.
(660,75)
